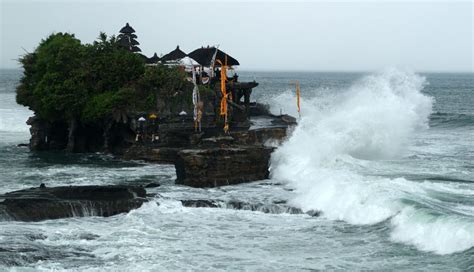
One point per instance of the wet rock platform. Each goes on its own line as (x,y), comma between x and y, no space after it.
(217,160)
(41,203)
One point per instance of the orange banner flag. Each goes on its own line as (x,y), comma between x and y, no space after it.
(298,93)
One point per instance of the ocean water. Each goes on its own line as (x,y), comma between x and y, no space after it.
(387,157)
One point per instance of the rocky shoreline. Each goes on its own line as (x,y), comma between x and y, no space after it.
(201,160)
(197,117)
(208,158)
(42,203)
(238,157)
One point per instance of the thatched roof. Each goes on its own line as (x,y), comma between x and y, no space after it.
(129,43)
(176,54)
(204,56)
(124,41)
(153,59)
(133,36)
(127,29)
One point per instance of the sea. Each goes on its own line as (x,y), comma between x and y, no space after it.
(386,156)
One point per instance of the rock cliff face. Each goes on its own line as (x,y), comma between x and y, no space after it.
(260,136)
(222,166)
(37,204)
(164,155)
(75,137)
(240,156)
(202,159)
(114,136)
(47,135)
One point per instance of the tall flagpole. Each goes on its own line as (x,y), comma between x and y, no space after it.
(213,62)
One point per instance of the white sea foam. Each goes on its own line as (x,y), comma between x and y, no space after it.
(12,116)
(372,120)
(13,120)
(440,234)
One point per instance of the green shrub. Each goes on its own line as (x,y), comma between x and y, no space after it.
(64,79)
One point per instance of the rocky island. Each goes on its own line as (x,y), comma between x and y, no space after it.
(189,110)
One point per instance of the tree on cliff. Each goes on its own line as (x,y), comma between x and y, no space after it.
(50,84)
(62,76)
(76,83)
(64,79)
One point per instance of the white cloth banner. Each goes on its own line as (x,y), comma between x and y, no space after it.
(195,92)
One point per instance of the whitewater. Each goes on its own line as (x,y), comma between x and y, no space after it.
(328,154)
(386,157)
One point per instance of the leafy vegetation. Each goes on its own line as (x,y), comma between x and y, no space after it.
(65,79)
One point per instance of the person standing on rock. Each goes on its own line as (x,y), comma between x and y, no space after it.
(183,115)
(197,122)
(154,128)
(141,129)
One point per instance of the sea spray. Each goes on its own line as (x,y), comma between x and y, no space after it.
(374,119)
(13,116)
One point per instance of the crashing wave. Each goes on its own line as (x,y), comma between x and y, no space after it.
(374,119)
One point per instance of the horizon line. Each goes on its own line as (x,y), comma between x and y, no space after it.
(321,70)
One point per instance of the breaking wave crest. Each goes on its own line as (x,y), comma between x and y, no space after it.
(374,119)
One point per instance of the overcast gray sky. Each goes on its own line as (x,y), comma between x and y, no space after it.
(320,36)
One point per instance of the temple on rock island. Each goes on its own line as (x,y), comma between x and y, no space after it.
(205,66)
(204,124)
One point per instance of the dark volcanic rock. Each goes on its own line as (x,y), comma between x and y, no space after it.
(313,213)
(73,136)
(152,185)
(238,157)
(222,166)
(37,204)
(257,109)
(262,207)
(285,120)
(152,154)
(199,203)
(273,208)
(259,136)
(43,137)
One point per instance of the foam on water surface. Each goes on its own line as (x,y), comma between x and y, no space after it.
(373,120)
(362,154)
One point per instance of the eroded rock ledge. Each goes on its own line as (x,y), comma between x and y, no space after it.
(214,167)
(273,208)
(35,204)
(238,157)
(202,159)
